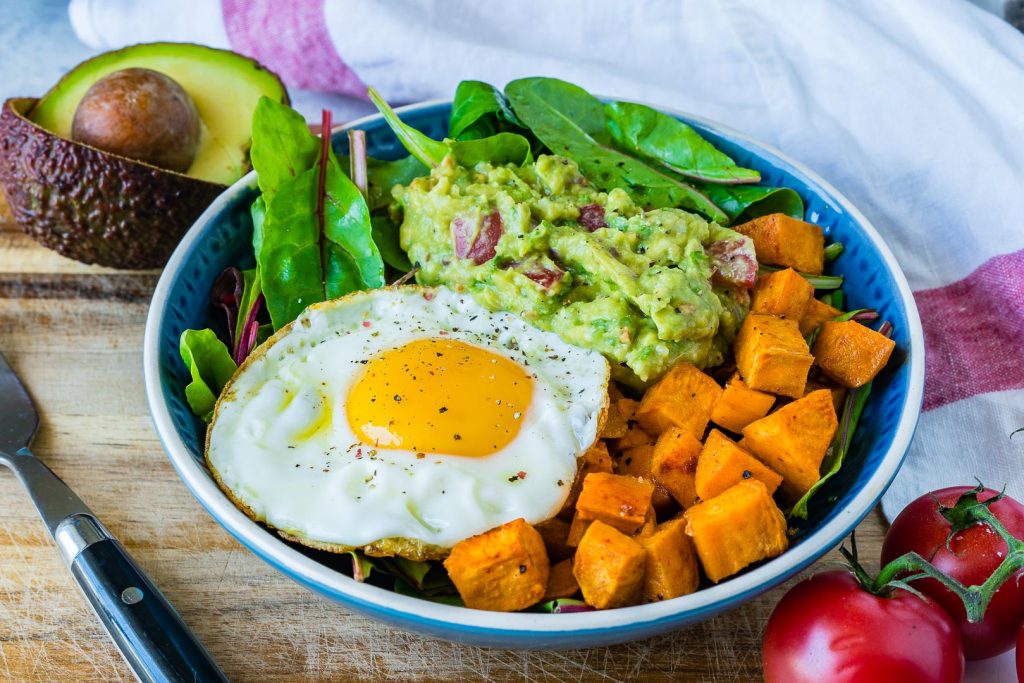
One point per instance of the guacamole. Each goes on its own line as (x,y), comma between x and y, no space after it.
(645,288)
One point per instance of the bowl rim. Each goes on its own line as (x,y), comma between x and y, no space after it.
(401,608)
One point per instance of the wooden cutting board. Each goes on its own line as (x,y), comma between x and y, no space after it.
(74,335)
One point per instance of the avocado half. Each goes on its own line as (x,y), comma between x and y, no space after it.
(102,208)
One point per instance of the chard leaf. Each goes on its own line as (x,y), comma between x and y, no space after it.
(570,121)
(282,146)
(291,270)
(665,140)
(311,227)
(210,366)
(362,566)
(250,293)
(352,261)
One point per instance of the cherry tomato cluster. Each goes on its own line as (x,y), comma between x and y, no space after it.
(949,589)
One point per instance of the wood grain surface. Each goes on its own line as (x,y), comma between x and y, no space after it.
(74,335)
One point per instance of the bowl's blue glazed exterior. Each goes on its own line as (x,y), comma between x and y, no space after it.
(222,237)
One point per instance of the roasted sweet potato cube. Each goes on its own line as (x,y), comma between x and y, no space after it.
(793,440)
(615,422)
(674,464)
(609,566)
(784,293)
(784,241)
(636,462)
(595,459)
(723,463)
(555,533)
(740,405)
(627,407)
(671,562)
(818,312)
(505,569)
(635,436)
(771,355)
(838,393)
(682,398)
(577,528)
(617,500)
(561,582)
(737,527)
(850,353)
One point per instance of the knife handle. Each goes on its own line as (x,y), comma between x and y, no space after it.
(155,642)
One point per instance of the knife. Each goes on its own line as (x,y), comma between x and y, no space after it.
(153,639)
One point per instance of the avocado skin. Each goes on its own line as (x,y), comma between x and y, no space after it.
(91,205)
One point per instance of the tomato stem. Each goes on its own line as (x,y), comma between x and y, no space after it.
(966,512)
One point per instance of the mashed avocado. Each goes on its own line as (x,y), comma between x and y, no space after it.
(593,267)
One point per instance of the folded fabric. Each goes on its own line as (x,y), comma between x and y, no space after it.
(912,109)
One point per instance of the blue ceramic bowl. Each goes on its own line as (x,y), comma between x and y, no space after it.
(221,237)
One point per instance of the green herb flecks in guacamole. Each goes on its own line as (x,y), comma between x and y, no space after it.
(645,288)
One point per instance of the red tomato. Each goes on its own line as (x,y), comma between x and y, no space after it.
(828,628)
(1020,655)
(977,551)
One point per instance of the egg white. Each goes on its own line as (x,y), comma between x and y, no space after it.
(273,451)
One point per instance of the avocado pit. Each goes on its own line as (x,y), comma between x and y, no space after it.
(140,114)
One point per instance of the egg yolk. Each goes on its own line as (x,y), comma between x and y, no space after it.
(439,396)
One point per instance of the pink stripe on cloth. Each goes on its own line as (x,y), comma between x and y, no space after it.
(290,38)
(974,332)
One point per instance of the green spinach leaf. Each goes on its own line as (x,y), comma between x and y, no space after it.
(384,175)
(429,151)
(480,110)
(570,121)
(502,148)
(210,366)
(744,202)
(385,234)
(648,133)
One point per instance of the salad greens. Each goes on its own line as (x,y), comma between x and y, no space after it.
(500,148)
(210,366)
(744,202)
(315,240)
(570,121)
(666,140)
(480,110)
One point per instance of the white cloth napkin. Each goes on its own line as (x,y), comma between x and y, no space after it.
(913,109)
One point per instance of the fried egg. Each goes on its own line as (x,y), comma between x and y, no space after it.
(405,420)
